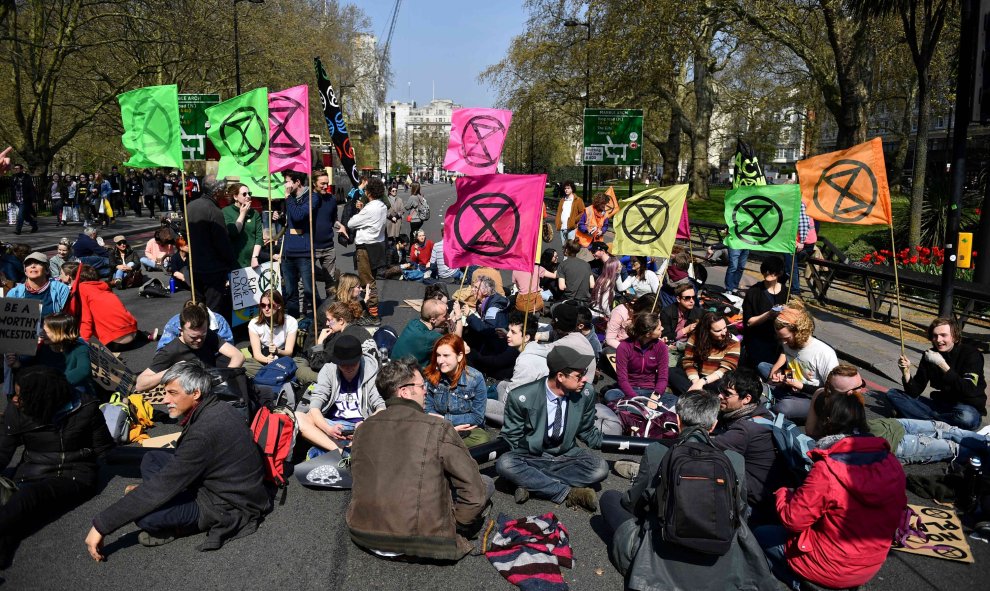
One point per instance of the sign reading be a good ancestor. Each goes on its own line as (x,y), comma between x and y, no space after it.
(19,326)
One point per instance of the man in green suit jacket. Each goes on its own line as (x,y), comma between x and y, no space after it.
(542,420)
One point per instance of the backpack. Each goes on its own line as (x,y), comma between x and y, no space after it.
(347,211)
(791,444)
(697,497)
(274,430)
(385,339)
(423,209)
(640,420)
(118,418)
(277,373)
(154,288)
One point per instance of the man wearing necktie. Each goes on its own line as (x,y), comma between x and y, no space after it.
(542,421)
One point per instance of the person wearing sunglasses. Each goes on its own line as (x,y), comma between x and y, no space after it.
(272,333)
(243,226)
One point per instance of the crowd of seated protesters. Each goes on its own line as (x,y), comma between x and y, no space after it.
(473,363)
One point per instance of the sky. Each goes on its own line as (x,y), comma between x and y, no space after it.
(446,42)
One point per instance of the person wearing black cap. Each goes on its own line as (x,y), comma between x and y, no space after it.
(542,421)
(344,395)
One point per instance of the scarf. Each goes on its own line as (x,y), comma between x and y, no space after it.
(42,289)
(742,412)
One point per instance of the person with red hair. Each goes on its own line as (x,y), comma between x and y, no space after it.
(455,391)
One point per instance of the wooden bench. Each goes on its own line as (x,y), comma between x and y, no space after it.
(877,282)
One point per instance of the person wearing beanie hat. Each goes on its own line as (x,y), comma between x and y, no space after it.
(344,395)
(543,420)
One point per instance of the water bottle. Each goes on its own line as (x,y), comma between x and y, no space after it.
(969,494)
(171,285)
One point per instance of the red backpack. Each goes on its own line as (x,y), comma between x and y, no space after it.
(274,429)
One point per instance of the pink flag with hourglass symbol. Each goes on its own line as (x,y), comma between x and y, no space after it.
(476,140)
(495,221)
(288,127)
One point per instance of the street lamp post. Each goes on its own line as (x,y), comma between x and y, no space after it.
(587,90)
(237,46)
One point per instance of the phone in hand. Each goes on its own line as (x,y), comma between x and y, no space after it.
(778,308)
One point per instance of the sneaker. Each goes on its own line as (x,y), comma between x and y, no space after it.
(146,539)
(521,495)
(314,452)
(626,468)
(582,497)
(368,321)
(154,335)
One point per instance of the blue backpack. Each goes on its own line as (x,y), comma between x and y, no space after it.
(277,373)
(791,444)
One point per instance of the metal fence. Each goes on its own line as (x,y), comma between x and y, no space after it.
(42,191)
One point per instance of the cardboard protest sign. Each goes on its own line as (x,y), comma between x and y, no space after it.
(945,535)
(246,287)
(109,372)
(19,326)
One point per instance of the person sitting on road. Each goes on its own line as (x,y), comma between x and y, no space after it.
(574,278)
(65,351)
(681,318)
(455,391)
(764,300)
(213,482)
(642,280)
(339,321)
(603,295)
(568,321)
(487,324)
(126,264)
(530,363)
(632,521)
(499,366)
(912,441)
(550,261)
(838,524)
(178,265)
(543,419)
(709,354)
(438,267)
(344,395)
(63,435)
(420,334)
(99,310)
(529,298)
(803,365)
(955,372)
(627,307)
(349,291)
(267,345)
(87,250)
(159,250)
(396,259)
(196,341)
(419,256)
(417,491)
(173,327)
(63,255)
(641,363)
(38,285)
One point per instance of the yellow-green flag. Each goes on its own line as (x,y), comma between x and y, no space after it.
(152,134)
(647,222)
(259,185)
(239,131)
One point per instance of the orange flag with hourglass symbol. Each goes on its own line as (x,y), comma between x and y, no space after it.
(848,186)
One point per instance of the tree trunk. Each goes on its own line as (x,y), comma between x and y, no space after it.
(904,135)
(920,161)
(670,152)
(704,98)
(852,117)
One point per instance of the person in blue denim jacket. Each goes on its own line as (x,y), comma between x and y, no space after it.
(455,391)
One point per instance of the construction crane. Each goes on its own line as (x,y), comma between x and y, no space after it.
(384,56)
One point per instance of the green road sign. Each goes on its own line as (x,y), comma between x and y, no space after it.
(192,117)
(613,137)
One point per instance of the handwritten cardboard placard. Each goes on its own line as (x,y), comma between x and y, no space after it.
(109,372)
(246,287)
(19,326)
(945,535)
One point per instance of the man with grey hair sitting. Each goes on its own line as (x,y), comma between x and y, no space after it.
(488,324)
(643,547)
(213,481)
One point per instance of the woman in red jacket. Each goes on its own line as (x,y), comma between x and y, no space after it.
(99,310)
(838,525)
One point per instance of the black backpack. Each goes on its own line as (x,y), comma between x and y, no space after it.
(696,497)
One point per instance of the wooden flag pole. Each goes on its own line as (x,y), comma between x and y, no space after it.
(192,282)
(271,256)
(897,287)
(312,254)
(533,275)
(666,266)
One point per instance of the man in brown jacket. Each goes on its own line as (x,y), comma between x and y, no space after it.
(569,210)
(417,491)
